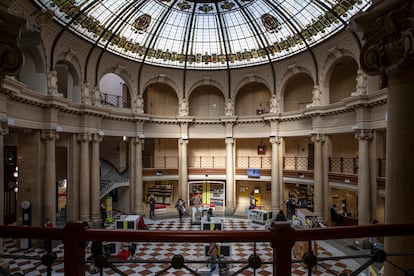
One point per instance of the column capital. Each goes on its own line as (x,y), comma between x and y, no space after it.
(183,141)
(84,137)
(318,138)
(389,35)
(229,140)
(96,137)
(363,134)
(275,140)
(137,140)
(4,129)
(49,134)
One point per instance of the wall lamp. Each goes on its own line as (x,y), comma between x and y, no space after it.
(141,136)
(101,132)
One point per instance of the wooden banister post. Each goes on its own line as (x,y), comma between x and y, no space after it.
(283,239)
(74,248)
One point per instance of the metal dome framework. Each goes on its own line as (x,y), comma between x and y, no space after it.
(204,34)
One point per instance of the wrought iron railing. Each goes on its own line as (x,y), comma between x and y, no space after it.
(280,238)
(116,101)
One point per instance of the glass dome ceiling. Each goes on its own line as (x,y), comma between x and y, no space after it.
(205,34)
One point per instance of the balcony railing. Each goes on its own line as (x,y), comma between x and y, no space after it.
(280,238)
(116,101)
(343,165)
(260,162)
(295,163)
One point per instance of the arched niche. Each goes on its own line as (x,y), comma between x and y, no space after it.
(114,91)
(68,81)
(160,99)
(342,82)
(206,101)
(252,98)
(33,72)
(298,92)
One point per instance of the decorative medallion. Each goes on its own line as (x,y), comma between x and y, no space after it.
(205,8)
(269,22)
(183,5)
(227,5)
(141,23)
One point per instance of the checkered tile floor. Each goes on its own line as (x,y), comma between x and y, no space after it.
(190,251)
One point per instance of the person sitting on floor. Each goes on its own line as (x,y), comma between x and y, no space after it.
(141,224)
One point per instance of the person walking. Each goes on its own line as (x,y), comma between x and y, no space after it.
(180,206)
(334,215)
(152,206)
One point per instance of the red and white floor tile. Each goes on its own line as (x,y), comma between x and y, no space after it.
(191,252)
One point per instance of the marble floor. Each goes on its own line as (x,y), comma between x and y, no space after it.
(141,263)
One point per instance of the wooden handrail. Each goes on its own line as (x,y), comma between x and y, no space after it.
(281,235)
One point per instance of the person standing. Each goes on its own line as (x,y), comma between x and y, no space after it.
(334,215)
(152,206)
(213,253)
(180,206)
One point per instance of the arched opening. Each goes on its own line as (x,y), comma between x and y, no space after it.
(114,91)
(206,101)
(298,92)
(253,98)
(160,99)
(343,79)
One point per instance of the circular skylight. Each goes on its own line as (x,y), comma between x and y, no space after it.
(205,34)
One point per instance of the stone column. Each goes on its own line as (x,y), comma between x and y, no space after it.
(230,206)
(95,181)
(3,131)
(183,184)
(318,140)
(132,172)
(84,181)
(388,51)
(138,207)
(276,188)
(49,182)
(364,191)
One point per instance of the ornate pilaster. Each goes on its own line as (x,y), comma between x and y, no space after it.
(49,170)
(183,184)
(84,180)
(318,139)
(364,191)
(137,205)
(86,93)
(388,29)
(276,185)
(52,87)
(316,98)
(95,179)
(230,206)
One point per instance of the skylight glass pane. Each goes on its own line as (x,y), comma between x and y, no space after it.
(221,34)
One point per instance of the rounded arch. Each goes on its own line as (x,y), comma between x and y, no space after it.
(297,92)
(206,101)
(291,72)
(250,79)
(114,91)
(122,72)
(330,62)
(161,79)
(68,80)
(341,82)
(203,82)
(33,72)
(160,99)
(69,58)
(252,99)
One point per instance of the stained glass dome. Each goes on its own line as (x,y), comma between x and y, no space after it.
(205,34)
